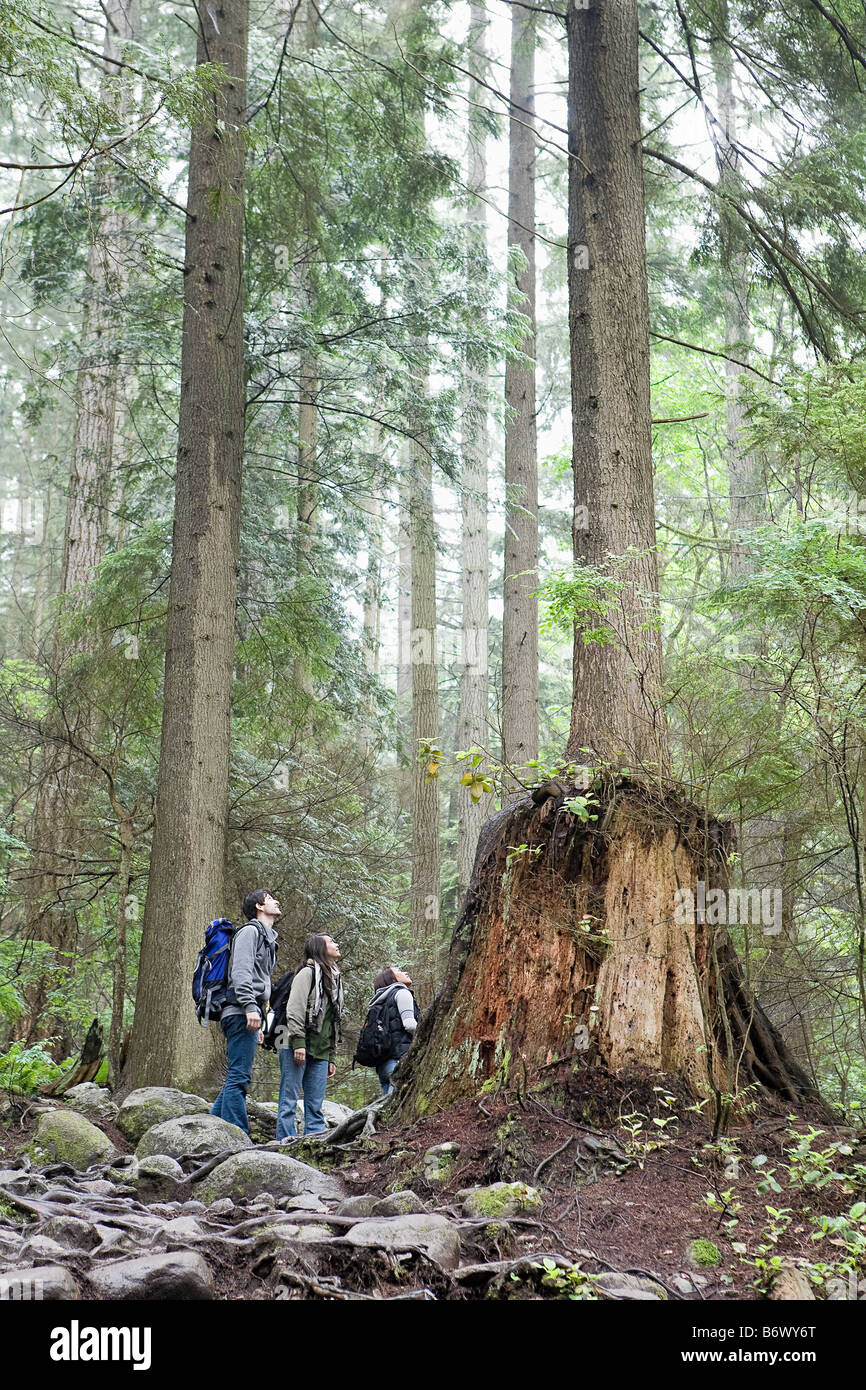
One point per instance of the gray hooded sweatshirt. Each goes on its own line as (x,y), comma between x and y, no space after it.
(254,955)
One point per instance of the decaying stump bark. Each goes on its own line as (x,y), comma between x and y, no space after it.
(571,940)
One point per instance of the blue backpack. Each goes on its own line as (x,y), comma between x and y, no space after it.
(210,981)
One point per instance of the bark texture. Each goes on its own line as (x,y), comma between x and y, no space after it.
(424,894)
(617,684)
(186,883)
(576,947)
(520,605)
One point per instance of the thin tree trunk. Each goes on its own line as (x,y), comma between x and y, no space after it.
(472,730)
(118,976)
(424,894)
(616,708)
(520,606)
(186,882)
(308,498)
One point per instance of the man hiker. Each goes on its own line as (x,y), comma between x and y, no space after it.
(253,956)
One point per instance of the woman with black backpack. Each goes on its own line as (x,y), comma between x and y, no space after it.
(390,1025)
(312,1031)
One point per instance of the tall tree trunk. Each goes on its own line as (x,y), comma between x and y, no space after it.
(186,882)
(582,941)
(617,684)
(424,893)
(472,730)
(520,606)
(308,498)
(65,777)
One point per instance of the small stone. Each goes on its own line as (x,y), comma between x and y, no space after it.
(362,1205)
(193,1205)
(439,1160)
(629,1288)
(405,1203)
(305,1201)
(223,1206)
(792,1284)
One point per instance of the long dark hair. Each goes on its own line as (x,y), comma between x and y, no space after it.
(315,949)
(383,979)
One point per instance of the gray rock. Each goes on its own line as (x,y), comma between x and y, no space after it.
(62,1136)
(71,1232)
(362,1205)
(247,1175)
(433,1234)
(223,1206)
(153,1105)
(405,1203)
(193,1206)
(156,1177)
(179,1275)
(792,1284)
(312,1233)
(41,1249)
(305,1201)
(629,1287)
(100,1187)
(91,1100)
(499,1199)
(180,1232)
(192,1136)
(439,1160)
(48,1282)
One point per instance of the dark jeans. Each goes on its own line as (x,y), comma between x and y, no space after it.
(241,1044)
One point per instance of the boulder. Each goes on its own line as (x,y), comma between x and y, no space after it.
(92,1100)
(41,1249)
(435,1235)
(405,1203)
(180,1275)
(153,1105)
(62,1136)
(499,1199)
(192,1136)
(246,1175)
(47,1282)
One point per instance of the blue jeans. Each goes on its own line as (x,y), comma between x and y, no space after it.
(241,1044)
(313,1078)
(383,1071)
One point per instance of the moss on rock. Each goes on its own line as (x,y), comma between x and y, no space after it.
(63,1136)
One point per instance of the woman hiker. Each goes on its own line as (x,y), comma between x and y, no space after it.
(400,1018)
(312,1032)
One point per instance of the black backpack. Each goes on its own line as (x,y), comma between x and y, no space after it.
(374,1040)
(277,1010)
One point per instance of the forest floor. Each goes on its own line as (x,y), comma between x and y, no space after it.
(628,1178)
(629,1191)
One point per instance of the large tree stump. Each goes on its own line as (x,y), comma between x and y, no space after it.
(575,944)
